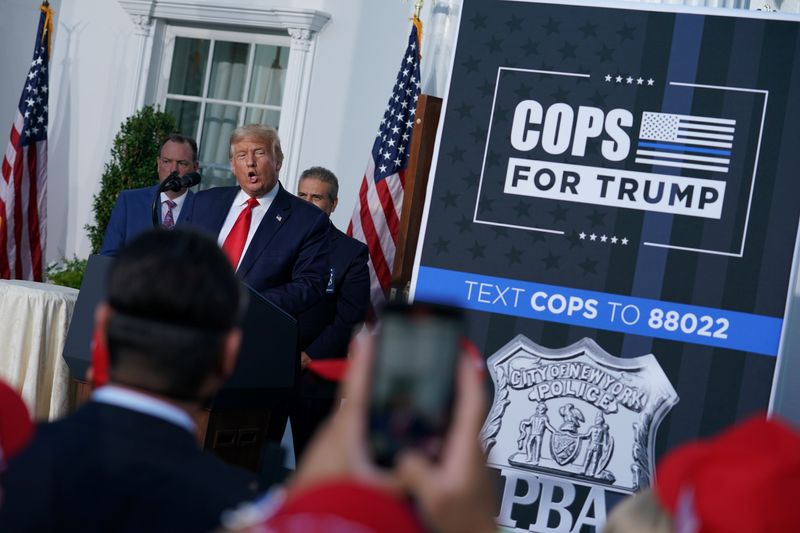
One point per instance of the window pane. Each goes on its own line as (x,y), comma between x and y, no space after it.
(220,120)
(269,74)
(228,69)
(215,176)
(187,115)
(188,70)
(268,117)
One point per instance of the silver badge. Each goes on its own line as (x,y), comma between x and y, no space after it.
(576,412)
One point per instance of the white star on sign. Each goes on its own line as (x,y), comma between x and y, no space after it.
(614,239)
(603,238)
(651,81)
(639,81)
(625,241)
(608,77)
(592,237)
(618,79)
(582,235)
(629,80)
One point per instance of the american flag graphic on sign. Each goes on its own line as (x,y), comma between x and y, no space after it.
(23,183)
(376,217)
(685,141)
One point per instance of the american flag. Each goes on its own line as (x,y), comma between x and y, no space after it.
(376,217)
(686,141)
(23,186)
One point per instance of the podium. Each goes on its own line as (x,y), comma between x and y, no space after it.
(237,420)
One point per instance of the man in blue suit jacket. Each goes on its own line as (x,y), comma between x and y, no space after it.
(284,250)
(326,328)
(132,212)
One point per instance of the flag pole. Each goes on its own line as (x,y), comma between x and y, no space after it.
(417,8)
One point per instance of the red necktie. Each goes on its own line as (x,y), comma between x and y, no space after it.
(169,218)
(236,239)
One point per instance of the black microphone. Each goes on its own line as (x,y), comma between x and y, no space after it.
(174,182)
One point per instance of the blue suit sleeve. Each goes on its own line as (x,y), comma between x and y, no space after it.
(351,309)
(309,274)
(114,237)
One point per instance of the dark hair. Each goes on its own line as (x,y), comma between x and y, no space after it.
(324,175)
(180,139)
(174,297)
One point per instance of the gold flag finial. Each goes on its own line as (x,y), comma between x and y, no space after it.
(417,7)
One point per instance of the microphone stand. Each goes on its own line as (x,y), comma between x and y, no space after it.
(154,209)
(173,182)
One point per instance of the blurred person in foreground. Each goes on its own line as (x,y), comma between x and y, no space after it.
(16,426)
(338,488)
(746,480)
(128,460)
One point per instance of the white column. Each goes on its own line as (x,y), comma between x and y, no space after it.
(295,102)
(144,43)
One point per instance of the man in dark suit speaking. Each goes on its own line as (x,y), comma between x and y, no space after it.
(277,243)
(128,460)
(326,328)
(132,212)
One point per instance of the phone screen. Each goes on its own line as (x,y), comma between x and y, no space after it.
(413,380)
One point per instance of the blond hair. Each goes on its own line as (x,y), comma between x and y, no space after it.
(640,513)
(267,134)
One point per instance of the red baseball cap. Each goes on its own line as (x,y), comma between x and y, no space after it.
(744,480)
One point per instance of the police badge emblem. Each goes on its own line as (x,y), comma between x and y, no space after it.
(577,413)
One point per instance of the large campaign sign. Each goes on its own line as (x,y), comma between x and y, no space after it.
(615,200)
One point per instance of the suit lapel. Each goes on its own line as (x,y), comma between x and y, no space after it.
(147,204)
(220,209)
(186,209)
(275,217)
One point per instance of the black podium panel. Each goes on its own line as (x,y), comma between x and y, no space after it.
(267,363)
(78,347)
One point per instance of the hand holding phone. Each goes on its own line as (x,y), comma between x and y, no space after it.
(413,380)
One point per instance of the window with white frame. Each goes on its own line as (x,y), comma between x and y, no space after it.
(218,80)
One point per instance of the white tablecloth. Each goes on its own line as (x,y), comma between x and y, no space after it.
(34,318)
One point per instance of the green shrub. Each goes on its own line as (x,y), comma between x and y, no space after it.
(67,273)
(132,165)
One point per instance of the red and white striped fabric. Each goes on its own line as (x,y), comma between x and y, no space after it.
(376,218)
(23,183)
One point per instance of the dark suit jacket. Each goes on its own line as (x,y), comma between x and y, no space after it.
(287,260)
(132,215)
(109,469)
(325,329)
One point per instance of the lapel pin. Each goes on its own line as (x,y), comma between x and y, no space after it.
(279,218)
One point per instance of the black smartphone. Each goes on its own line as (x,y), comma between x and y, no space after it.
(413,381)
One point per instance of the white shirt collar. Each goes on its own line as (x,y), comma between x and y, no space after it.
(145,404)
(178,201)
(265,201)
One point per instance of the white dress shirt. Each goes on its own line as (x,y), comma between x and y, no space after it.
(145,404)
(176,211)
(258,213)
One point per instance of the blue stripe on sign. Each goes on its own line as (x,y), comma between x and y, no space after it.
(683,148)
(665,320)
